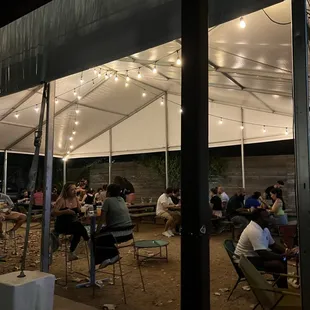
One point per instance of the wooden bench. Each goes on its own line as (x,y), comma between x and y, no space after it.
(137,217)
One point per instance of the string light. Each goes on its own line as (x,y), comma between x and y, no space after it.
(79,97)
(242,127)
(144,94)
(221,121)
(154,69)
(242,23)
(264,128)
(95,71)
(139,74)
(71,138)
(81,79)
(127,77)
(74,132)
(71,147)
(77,111)
(93,82)
(99,74)
(286,131)
(76,122)
(116,78)
(111,74)
(68,152)
(16,114)
(126,84)
(106,75)
(36,108)
(179,61)
(181,110)
(162,101)
(74,92)
(56,100)
(59,145)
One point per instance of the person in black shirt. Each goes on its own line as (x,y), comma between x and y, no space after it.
(176,196)
(279,184)
(127,189)
(236,202)
(215,203)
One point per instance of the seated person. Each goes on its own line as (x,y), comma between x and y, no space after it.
(279,184)
(89,197)
(114,225)
(98,196)
(224,197)
(237,202)
(66,209)
(162,210)
(127,189)
(253,201)
(24,197)
(257,244)
(278,207)
(7,215)
(215,203)
(176,196)
(38,199)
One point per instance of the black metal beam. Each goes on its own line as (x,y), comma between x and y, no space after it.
(302,154)
(195,271)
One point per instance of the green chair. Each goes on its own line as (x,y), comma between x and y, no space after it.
(230,249)
(268,297)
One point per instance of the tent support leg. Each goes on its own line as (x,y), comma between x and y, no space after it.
(166,140)
(64,171)
(196,218)
(5,172)
(48,176)
(110,156)
(302,154)
(242,151)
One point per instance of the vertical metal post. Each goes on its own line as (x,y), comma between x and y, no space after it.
(196,216)
(302,155)
(64,170)
(5,172)
(242,151)
(110,156)
(166,140)
(48,176)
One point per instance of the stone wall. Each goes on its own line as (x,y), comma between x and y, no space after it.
(260,172)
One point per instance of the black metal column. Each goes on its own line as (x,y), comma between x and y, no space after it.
(302,154)
(196,215)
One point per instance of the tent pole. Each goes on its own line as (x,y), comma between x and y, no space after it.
(302,154)
(48,176)
(110,156)
(5,172)
(242,152)
(196,217)
(166,140)
(64,170)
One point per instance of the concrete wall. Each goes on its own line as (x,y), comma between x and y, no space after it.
(260,172)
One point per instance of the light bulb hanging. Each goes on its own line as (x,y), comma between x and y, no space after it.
(126,84)
(71,147)
(77,111)
(79,97)
(99,74)
(68,152)
(74,92)
(76,122)
(162,101)
(127,77)
(286,131)
(116,78)
(74,132)
(242,127)
(81,79)
(221,121)
(106,75)
(154,69)
(111,74)
(71,138)
(179,61)
(56,100)
(181,110)
(16,115)
(139,74)
(242,23)
(264,129)
(144,94)
(36,108)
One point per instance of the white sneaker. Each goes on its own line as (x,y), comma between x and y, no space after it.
(170,233)
(166,234)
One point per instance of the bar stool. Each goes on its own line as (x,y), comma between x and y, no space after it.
(12,238)
(65,240)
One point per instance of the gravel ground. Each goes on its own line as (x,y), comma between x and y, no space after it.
(162,279)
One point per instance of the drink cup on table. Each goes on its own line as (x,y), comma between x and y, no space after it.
(99,209)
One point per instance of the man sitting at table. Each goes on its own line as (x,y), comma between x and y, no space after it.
(7,215)
(253,201)
(237,202)
(257,244)
(173,218)
(224,197)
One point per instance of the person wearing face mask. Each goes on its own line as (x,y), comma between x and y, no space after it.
(237,202)
(257,244)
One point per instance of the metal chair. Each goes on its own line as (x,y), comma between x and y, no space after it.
(13,238)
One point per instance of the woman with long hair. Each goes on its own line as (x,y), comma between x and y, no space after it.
(278,207)
(66,209)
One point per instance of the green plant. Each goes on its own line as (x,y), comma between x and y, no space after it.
(157,162)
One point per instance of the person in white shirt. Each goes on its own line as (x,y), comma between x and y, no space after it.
(173,217)
(257,244)
(224,197)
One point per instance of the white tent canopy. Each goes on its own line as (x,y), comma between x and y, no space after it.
(249,87)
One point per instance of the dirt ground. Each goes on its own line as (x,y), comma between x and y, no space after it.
(162,279)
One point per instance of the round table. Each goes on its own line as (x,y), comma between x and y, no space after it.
(151,244)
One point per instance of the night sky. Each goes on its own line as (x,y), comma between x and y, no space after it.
(15,9)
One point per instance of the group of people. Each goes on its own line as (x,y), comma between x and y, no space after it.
(272,201)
